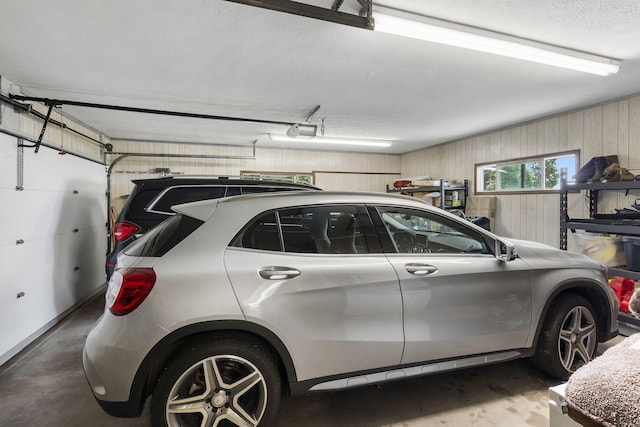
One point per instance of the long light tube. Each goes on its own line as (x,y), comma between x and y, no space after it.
(338,141)
(429,29)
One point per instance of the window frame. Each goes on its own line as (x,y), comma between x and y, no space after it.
(479,173)
(366,229)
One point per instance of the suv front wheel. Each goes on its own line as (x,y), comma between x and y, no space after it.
(569,336)
(222,382)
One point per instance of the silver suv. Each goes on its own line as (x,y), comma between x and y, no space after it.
(227,304)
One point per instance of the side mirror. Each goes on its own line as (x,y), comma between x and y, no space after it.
(505,251)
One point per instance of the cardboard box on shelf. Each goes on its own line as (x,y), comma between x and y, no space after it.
(485,206)
(426,182)
(431,198)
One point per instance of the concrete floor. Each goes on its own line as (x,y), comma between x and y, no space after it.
(45,385)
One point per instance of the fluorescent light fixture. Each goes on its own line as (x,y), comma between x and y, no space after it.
(420,27)
(339,141)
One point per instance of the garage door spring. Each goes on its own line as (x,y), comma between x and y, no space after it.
(20,168)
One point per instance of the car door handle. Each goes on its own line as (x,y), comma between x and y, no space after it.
(420,269)
(278,273)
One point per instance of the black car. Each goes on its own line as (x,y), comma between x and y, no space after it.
(151,199)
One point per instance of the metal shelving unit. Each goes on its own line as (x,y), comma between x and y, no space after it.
(614,226)
(443,189)
(629,227)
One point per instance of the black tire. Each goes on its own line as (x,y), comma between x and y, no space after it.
(569,336)
(228,379)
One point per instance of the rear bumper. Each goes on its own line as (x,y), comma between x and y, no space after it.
(110,263)
(126,409)
(121,409)
(113,353)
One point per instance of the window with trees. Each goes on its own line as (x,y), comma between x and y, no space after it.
(531,174)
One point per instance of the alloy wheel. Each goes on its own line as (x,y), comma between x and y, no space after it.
(223,390)
(577,339)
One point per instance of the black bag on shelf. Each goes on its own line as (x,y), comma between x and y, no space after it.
(481,221)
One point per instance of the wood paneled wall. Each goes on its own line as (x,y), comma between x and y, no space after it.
(332,170)
(612,128)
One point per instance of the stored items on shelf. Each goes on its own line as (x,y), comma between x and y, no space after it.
(621,225)
(434,191)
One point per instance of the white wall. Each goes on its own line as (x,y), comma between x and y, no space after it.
(60,217)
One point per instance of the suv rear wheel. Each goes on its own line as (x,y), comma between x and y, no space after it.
(223,382)
(569,336)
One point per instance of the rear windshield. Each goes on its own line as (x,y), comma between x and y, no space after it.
(164,237)
(185,194)
(139,199)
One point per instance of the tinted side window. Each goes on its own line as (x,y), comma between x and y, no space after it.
(233,191)
(261,233)
(257,189)
(296,225)
(164,237)
(178,195)
(415,231)
(253,189)
(320,230)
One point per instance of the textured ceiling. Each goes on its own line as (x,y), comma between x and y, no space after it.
(228,59)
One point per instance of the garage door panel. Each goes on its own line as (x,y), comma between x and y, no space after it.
(35,214)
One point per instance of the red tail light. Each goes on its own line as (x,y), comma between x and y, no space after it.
(128,288)
(124,230)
